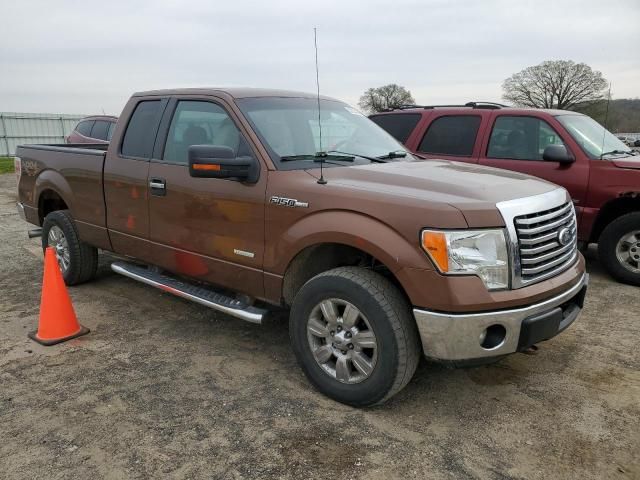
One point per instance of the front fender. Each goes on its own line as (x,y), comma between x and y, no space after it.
(348,228)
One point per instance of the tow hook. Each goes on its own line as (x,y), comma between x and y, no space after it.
(532,350)
(36,232)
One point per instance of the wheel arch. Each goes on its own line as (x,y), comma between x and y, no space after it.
(53,192)
(340,238)
(626,202)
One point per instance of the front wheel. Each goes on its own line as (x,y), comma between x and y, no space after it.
(619,248)
(354,336)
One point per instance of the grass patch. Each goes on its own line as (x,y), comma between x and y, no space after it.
(6,165)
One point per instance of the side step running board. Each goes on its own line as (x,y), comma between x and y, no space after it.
(195,293)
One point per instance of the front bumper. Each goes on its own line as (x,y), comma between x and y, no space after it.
(460,336)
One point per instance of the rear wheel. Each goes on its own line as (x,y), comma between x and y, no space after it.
(78,261)
(354,336)
(619,248)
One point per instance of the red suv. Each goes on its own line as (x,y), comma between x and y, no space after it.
(600,172)
(94,129)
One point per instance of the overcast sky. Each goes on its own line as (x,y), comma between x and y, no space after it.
(67,56)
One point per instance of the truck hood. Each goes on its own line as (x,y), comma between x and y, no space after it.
(472,189)
(627,162)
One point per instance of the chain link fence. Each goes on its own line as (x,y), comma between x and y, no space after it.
(25,128)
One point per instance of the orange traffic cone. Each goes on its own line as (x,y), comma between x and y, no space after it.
(57,321)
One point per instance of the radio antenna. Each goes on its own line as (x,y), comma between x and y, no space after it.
(606,119)
(321,155)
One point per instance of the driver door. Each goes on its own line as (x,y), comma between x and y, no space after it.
(206,228)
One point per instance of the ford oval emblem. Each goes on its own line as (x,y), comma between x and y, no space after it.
(564,236)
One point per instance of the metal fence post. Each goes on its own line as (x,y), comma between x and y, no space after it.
(6,134)
(62,125)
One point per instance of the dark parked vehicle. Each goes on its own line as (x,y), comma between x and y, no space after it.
(94,129)
(600,172)
(217,195)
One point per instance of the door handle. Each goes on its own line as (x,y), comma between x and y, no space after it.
(158,186)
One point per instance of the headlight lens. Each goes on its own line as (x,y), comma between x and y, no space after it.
(470,252)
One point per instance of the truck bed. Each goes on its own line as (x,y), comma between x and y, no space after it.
(72,172)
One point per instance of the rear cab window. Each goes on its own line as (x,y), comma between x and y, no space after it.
(140,135)
(521,138)
(451,135)
(398,125)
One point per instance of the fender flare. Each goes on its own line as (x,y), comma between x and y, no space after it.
(345,227)
(54,181)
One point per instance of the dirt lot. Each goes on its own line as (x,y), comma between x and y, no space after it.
(162,388)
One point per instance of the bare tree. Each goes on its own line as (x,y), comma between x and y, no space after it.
(555,84)
(384,98)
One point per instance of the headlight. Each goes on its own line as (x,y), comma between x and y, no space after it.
(470,252)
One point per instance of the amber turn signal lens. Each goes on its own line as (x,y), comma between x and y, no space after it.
(435,244)
(206,166)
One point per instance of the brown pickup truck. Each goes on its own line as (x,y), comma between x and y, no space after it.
(239,199)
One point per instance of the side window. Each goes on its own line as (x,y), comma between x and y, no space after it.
(521,138)
(141,130)
(84,128)
(200,123)
(112,127)
(99,130)
(399,125)
(451,135)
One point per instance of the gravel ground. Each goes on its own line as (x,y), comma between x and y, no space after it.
(162,388)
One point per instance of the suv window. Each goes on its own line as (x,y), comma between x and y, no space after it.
(521,138)
(200,123)
(451,135)
(84,128)
(99,130)
(398,125)
(141,130)
(112,127)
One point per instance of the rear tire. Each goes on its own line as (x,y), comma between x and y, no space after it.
(378,354)
(619,248)
(78,260)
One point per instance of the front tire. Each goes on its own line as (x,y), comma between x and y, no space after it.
(619,248)
(354,336)
(78,260)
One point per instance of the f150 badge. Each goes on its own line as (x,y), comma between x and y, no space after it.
(288,202)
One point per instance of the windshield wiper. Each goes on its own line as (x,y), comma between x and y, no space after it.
(394,154)
(318,157)
(371,159)
(617,152)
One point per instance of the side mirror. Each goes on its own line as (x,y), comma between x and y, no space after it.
(558,153)
(216,161)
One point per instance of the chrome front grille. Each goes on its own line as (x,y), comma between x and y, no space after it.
(547,242)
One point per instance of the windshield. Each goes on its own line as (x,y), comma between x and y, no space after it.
(591,136)
(288,127)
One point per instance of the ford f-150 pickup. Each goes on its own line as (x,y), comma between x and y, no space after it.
(239,199)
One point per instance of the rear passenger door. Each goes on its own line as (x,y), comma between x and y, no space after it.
(451,137)
(126,174)
(517,142)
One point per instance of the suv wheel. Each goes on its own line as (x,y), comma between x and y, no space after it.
(78,261)
(354,336)
(619,248)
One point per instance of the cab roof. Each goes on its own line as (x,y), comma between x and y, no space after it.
(234,92)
